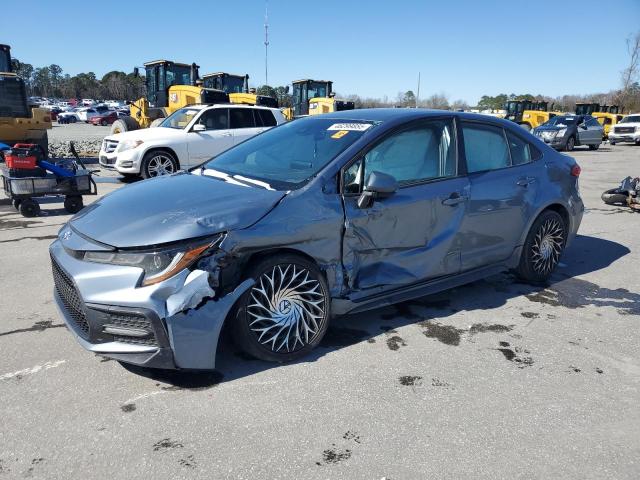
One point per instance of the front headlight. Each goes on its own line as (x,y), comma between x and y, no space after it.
(561,132)
(158,265)
(129,144)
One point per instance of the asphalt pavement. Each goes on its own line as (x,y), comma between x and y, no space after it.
(493,380)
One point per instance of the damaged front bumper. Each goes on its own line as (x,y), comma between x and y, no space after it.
(173,324)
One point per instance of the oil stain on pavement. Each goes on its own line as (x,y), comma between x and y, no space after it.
(516,355)
(166,444)
(36,327)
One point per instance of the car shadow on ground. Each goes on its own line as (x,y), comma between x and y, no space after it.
(586,254)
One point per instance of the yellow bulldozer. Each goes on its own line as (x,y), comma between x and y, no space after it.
(237,87)
(529,114)
(170,86)
(19,123)
(314,97)
(606,115)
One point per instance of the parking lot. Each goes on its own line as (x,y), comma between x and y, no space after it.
(497,379)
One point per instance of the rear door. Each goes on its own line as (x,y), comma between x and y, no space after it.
(242,124)
(504,179)
(412,235)
(216,138)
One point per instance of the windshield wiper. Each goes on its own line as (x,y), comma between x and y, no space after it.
(252,181)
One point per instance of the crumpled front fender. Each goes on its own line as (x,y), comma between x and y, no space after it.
(194,334)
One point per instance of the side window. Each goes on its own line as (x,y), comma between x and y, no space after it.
(241,118)
(420,153)
(215,119)
(592,122)
(520,150)
(266,118)
(485,147)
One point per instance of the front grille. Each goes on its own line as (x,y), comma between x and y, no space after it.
(624,129)
(70,298)
(109,146)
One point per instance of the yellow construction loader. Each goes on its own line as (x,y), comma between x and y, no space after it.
(529,114)
(19,123)
(237,87)
(314,97)
(170,86)
(607,116)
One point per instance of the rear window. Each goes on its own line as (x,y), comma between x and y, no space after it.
(265,118)
(241,118)
(485,147)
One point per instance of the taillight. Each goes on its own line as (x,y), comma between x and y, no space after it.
(575,170)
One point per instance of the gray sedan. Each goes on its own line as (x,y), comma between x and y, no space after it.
(564,132)
(323,216)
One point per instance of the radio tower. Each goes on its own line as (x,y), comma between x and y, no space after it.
(266,43)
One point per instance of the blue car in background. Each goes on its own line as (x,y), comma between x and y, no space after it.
(322,216)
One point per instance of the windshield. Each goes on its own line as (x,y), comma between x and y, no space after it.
(180,118)
(287,157)
(559,121)
(631,119)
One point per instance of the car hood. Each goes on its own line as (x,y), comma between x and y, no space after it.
(172,208)
(629,124)
(148,134)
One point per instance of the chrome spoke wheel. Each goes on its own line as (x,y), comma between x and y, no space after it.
(547,246)
(160,165)
(286,308)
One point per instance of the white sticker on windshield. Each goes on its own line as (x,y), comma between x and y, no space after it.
(352,127)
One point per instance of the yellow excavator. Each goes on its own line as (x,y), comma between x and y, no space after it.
(19,123)
(170,86)
(314,97)
(237,87)
(606,115)
(529,114)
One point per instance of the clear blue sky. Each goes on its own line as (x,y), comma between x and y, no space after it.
(463,48)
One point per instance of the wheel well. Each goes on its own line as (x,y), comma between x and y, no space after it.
(164,149)
(258,256)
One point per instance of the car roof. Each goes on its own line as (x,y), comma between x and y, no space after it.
(232,105)
(393,114)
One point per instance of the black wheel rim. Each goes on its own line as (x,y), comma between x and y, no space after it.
(547,246)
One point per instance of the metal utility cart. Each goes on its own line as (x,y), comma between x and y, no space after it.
(68,178)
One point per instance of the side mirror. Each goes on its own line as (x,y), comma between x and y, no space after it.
(198,127)
(379,185)
(583,126)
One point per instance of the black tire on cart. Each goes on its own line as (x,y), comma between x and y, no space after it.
(612,143)
(29,208)
(16,204)
(73,203)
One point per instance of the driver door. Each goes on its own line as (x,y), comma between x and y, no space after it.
(413,234)
(213,140)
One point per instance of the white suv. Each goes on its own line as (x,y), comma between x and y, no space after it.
(626,130)
(186,138)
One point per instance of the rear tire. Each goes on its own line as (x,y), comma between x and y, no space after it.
(29,208)
(104,123)
(156,122)
(611,197)
(125,124)
(543,247)
(286,313)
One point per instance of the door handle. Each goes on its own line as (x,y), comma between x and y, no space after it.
(524,182)
(454,199)
(226,134)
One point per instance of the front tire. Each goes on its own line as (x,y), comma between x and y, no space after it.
(571,143)
(286,313)
(543,247)
(157,163)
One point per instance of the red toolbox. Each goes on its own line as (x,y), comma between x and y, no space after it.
(23,156)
